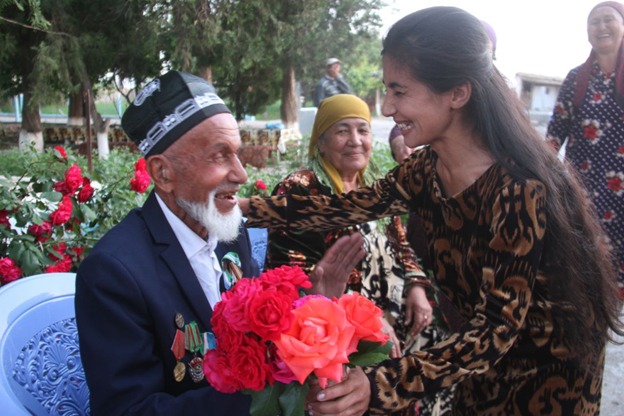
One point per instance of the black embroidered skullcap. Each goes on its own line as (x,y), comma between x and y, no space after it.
(167,108)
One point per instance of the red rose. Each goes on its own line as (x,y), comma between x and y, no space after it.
(62,266)
(86,192)
(61,150)
(260,185)
(63,212)
(73,178)
(228,338)
(9,272)
(249,364)
(61,186)
(140,182)
(4,218)
(60,248)
(219,373)
(41,232)
(140,166)
(236,303)
(286,279)
(270,314)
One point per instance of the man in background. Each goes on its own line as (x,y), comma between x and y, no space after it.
(332,83)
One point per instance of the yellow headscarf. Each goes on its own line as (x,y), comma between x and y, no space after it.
(330,111)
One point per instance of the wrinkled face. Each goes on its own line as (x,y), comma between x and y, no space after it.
(347,145)
(422,116)
(605,28)
(334,70)
(207,162)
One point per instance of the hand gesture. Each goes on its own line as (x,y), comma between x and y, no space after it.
(331,273)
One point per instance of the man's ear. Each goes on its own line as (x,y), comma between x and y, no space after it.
(461,95)
(159,169)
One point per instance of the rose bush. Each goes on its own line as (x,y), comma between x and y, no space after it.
(53,211)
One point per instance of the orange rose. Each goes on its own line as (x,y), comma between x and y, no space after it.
(317,341)
(365,317)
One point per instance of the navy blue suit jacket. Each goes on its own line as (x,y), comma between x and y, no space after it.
(128,291)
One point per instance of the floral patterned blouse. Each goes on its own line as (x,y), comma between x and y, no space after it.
(388,258)
(596,149)
(509,357)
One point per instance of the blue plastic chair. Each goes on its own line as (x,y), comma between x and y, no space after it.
(40,368)
(258,238)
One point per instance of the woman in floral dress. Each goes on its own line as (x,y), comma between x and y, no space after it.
(590,113)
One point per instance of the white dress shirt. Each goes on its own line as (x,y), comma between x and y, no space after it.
(200,254)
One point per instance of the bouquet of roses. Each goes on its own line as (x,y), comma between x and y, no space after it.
(270,341)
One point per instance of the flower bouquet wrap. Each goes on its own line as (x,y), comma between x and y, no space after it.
(270,340)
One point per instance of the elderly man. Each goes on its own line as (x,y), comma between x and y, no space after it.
(145,294)
(332,83)
(150,284)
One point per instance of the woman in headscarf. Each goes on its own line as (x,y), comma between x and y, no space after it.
(589,113)
(339,161)
(513,239)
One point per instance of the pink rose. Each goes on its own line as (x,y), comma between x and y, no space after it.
(236,303)
(365,316)
(317,341)
(86,192)
(279,370)
(63,212)
(9,272)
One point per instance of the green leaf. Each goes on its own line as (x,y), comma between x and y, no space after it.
(370,353)
(52,196)
(88,212)
(292,400)
(15,252)
(265,402)
(37,220)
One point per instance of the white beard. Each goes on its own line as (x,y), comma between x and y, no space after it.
(222,226)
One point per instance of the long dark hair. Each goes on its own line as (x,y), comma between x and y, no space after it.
(445,47)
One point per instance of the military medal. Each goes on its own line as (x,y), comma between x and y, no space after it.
(179,371)
(178,351)
(196,369)
(179,320)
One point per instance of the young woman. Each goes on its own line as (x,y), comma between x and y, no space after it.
(513,240)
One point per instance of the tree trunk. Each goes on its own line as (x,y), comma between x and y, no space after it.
(31,123)
(289,110)
(101,125)
(205,72)
(75,117)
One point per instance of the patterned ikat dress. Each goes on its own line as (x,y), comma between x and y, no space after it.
(596,148)
(486,245)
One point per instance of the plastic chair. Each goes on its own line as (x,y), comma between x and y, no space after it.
(40,368)
(258,238)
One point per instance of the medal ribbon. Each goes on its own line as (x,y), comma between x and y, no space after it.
(194,341)
(178,345)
